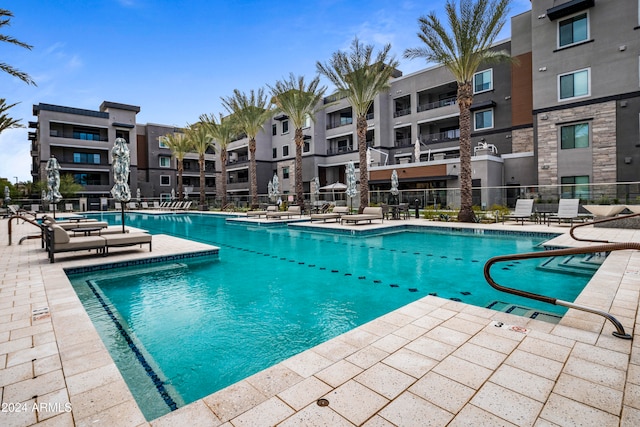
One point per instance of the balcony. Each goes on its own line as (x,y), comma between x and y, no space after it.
(341,150)
(344,121)
(438,104)
(402,112)
(434,138)
(403,142)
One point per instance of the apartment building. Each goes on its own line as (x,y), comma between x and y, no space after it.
(565,111)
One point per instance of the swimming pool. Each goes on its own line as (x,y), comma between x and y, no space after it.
(200,325)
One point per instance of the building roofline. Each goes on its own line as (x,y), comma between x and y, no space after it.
(69,110)
(109,104)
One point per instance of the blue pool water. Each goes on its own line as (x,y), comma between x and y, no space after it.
(184,329)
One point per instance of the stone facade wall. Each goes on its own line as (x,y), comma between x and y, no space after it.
(522,140)
(602,118)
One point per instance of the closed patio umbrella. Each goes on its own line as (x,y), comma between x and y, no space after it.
(351,190)
(416,150)
(53,183)
(394,184)
(120,162)
(7,195)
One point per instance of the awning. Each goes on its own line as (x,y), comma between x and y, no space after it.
(568,8)
(123,125)
(281,117)
(422,179)
(482,104)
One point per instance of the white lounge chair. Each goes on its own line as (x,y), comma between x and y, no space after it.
(524,210)
(368,214)
(336,214)
(567,211)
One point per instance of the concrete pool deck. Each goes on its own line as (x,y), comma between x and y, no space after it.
(433,362)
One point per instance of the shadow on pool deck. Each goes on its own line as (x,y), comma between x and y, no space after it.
(434,359)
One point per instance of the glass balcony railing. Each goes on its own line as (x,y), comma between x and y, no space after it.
(438,104)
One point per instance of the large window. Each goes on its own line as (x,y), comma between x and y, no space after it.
(307,122)
(165,180)
(93,159)
(574,136)
(285,173)
(575,187)
(285,150)
(87,178)
(573,30)
(86,134)
(483,119)
(161,142)
(165,162)
(483,81)
(285,126)
(574,84)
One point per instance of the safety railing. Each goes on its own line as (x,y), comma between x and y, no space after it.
(25,219)
(607,247)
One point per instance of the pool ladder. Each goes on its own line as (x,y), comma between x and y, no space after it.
(606,247)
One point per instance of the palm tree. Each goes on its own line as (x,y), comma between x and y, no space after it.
(5,17)
(462,50)
(298,101)
(223,132)
(360,78)
(201,141)
(7,122)
(179,145)
(250,112)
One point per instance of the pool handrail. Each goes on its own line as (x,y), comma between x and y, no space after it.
(24,219)
(598,221)
(609,247)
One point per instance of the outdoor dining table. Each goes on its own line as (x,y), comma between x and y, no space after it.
(86,230)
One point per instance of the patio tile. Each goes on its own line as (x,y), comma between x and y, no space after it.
(598,396)
(632,396)
(534,364)
(390,343)
(546,349)
(502,402)
(563,411)
(339,373)
(526,383)
(448,336)
(409,410)
(385,380)
(355,402)
(234,400)
(307,363)
(471,415)
(410,362)
(268,413)
(316,416)
(601,356)
(462,371)
(596,373)
(196,414)
(123,415)
(27,389)
(19,418)
(630,416)
(53,404)
(87,380)
(442,391)
(273,380)
(431,348)
(367,357)
(99,398)
(494,342)
(480,355)
(304,393)
(16,374)
(46,365)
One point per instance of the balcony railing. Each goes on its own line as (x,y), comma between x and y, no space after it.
(434,138)
(336,124)
(438,104)
(341,150)
(403,112)
(403,142)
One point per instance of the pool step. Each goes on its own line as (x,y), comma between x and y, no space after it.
(524,311)
(583,264)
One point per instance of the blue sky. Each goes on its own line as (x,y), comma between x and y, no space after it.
(176,58)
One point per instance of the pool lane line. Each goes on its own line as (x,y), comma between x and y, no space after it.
(134,348)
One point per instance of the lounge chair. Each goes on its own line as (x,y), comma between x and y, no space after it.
(368,214)
(126,239)
(156,204)
(144,205)
(259,213)
(132,205)
(68,207)
(567,211)
(293,210)
(73,224)
(524,210)
(336,214)
(58,240)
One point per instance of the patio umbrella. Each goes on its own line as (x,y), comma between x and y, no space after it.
(316,187)
(336,186)
(7,195)
(270,190)
(416,150)
(138,194)
(173,194)
(351,182)
(394,184)
(276,185)
(53,183)
(120,161)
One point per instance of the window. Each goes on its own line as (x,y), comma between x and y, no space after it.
(285,150)
(573,30)
(165,162)
(574,85)
(274,152)
(575,187)
(574,136)
(307,122)
(483,119)
(88,178)
(306,147)
(86,134)
(165,180)
(93,159)
(285,126)
(122,134)
(483,81)
(161,142)
(285,173)
(274,129)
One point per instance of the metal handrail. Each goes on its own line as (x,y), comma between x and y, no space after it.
(599,221)
(620,332)
(30,221)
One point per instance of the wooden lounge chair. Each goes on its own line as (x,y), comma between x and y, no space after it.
(368,214)
(259,213)
(524,210)
(335,214)
(293,210)
(567,211)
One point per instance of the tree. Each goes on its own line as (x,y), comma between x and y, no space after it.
(298,101)
(223,132)
(68,186)
(7,122)
(462,50)
(179,146)
(360,78)
(5,17)
(250,112)
(201,141)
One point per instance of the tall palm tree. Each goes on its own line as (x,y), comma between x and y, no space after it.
(5,17)
(201,141)
(7,122)
(360,78)
(462,50)
(179,145)
(299,101)
(223,132)
(250,112)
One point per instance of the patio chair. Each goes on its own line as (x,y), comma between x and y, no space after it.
(259,213)
(567,211)
(336,214)
(293,210)
(68,207)
(368,214)
(524,210)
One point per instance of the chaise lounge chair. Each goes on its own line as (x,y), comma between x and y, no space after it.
(567,211)
(524,210)
(58,240)
(336,214)
(259,213)
(368,214)
(127,239)
(293,210)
